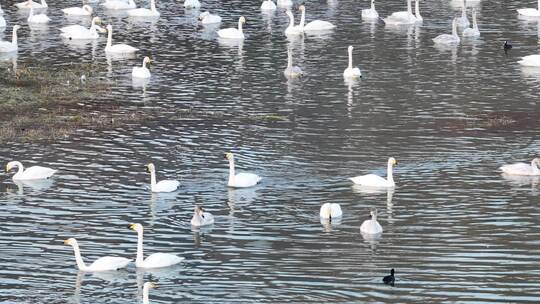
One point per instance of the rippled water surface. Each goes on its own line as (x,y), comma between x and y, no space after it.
(455,230)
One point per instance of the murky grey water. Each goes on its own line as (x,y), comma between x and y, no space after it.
(455,230)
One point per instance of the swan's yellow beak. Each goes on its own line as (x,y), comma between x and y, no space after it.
(67,242)
(153,285)
(132,226)
(395,162)
(7,168)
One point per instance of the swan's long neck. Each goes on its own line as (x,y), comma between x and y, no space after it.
(373,5)
(240,26)
(153,6)
(145,294)
(417,9)
(303,18)
(409,7)
(389,176)
(231,171)
(14,42)
(20,167)
(140,256)
(78,258)
(109,38)
(144,67)
(44,4)
(454,28)
(31,14)
(464,11)
(475,25)
(152,173)
(289,59)
(291,20)
(350,58)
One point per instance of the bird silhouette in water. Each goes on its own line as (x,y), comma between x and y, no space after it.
(389,279)
(506,46)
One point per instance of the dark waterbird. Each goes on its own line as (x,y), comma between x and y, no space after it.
(389,279)
(506,46)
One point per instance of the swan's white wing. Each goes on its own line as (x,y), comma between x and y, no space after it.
(336,210)
(229,33)
(371,227)
(517,169)
(243,180)
(371,180)
(318,25)
(531,12)
(140,72)
(76,11)
(109,263)
(72,28)
(122,48)
(158,260)
(166,186)
(37,172)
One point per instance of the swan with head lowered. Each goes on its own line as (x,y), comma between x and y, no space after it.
(292,71)
(161,186)
(117,48)
(207,18)
(106,263)
(370,13)
(31,4)
(233,33)
(530,12)
(371,226)
(350,72)
(522,168)
(240,180)
(144,12)
(201,217)
(155,260)
(142,71)
(9,47)
(474,31)
(316,25)
(372,180)
(119,4)
(146,289)
(31,173)
(79,32)
(451,39)
(39,18)
(330,210)
(85,10)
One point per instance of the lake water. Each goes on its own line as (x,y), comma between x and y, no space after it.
(455,230)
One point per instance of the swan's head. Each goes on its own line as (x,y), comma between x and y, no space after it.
(202,15)
(373,212)
(301,8)
(536,161)
(229,156)
(96,19)
(350,48)
(198,210)
(149,285)
(150,167)
(136,227)
(10,166)
(242,19)
(16,27)
(147,60)
(70,241)
(88,8)
(392,161)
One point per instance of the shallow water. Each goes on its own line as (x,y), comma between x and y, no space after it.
(455,230)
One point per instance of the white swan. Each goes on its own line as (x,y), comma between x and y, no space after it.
(371,226)
(155,260)
(268,5)
(463,21)
(8,47)
(143,72)
(522,168)
(316,25)
(31,4)
(79,32)
(292,71)
(207,18)
(403,17)
(350,72)
(370,13)
(330,211)
(417,15)
(201,217)
(372,180)
(85,10)
(1,10)
(240,180)
(292,30)
(474,31)
(106,263)
(448,39)
(530,12)
(232,33)
(34,172)
(39,18)
(162,186)
(284,3)
(117,48)
(144,12)
(119,4)
(146,288)
(192,4)
(2,22)
(528,61)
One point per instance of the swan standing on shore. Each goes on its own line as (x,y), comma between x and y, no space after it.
(292,71)
(240,180)
(117,48)
(106,263)
(155,260)
(350,72)
(448,39)
(372,180)
(231,32)
(31,173)
(523,168)
(144,12)
(371,226)
(316,25)
(370,13)
(530,12)
(201,217)
(474,31)
(142,71)
(161,186)
(85,10)
(207,18)
(39,18)
(31,4)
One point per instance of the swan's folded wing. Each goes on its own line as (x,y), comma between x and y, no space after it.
(370,180)
(109,263)
(38,172)
(519,169)
(159,259)
(246,179)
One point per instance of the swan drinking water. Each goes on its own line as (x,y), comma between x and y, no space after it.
(117,48)
(372,180)
(370,13)
(330,211)
(371,226)
(472,32)
(523,168)
(106,263)
(8,47)
(161,186)
(156,260)
(144,12)
(201,217)
(448,39)
(31,173)
(350,72)
(530,12)
(240,180)
(232,33)
(292,71)
(316,25)
(85,10)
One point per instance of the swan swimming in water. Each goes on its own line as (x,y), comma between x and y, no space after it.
(401,18)
(85,10)
(316,25)
(8,47)
(155,260)
(463,21)
(370,13)
(292,30)
(523,168)
(530,61)
(161,186)
(192,4)
(39,18)
(372,180)
(31,4)
(268,5)
(292,71)
(106,263)
(142,72)
(371,226)
(117,48)
(474,31)
(201,217)
(240,180)
(530,12)
(79,32)
(350,72)
(233,33)
(119,4)
(31,173)
(448,39)
(284,3)
(207,18)
(330,211)
(144,12)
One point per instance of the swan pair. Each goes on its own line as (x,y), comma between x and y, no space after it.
(85,10)
(372,180)
(240,180)
(119,4)
(31,4)
(474,31)
(292,71)
(452,39)
(406,17)
(201,218)
(207,18)
(79,32)
(144,12)
(233,33)
(37,19)
(530,12)
(31,173)
(522,168)
(9,47)
(161,186)
(117,48)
